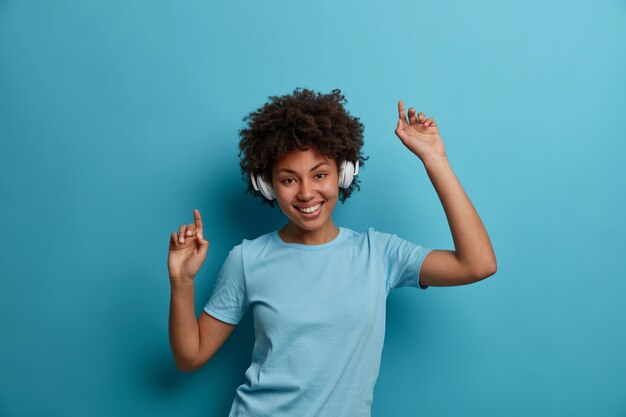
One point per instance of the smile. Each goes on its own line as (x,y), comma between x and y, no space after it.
(309,210)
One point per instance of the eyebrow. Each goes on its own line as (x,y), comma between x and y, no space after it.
(312,169)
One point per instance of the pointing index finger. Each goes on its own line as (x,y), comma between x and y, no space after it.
(401,112)
(198,219)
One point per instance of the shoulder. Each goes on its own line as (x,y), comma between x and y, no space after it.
(257,247)
(371,238)
(390,245)
(378,238)
(261,240)
(370,233)
(248,250)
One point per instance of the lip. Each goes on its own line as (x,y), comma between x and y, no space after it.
(310,205)
(311,215)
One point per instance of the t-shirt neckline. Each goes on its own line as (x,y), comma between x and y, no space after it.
(303,246)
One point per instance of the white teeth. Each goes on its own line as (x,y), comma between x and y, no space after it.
(310,209)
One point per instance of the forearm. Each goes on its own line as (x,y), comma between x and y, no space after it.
(183,325)
(471,241)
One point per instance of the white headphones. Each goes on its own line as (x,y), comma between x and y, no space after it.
(347,171)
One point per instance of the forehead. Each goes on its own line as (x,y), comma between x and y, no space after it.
(301,160)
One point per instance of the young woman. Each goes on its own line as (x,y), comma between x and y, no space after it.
(317,291)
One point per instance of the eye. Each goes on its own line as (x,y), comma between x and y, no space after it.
(288,180)
(321,175)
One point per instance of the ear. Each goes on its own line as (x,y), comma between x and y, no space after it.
(347,172)
(263,186)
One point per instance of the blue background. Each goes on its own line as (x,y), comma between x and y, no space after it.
(119,118)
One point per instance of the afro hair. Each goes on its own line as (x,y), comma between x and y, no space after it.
(301,120)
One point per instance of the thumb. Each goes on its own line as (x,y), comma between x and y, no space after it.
(400,131)
(204,244)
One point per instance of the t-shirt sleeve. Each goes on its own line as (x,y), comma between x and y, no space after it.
(228,301)
(402,259)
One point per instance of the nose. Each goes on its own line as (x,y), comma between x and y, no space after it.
(306,191)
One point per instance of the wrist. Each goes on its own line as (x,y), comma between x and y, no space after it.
(181,282)
(435,159)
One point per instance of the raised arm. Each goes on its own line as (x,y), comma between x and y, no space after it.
(193,341)
(473,258)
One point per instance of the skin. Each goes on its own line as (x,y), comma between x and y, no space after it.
(302,179)
(473,258)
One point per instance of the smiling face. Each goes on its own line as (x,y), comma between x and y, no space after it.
(306,185)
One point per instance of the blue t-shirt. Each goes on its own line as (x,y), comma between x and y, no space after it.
(319,319)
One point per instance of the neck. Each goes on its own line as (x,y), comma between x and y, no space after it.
(291,233)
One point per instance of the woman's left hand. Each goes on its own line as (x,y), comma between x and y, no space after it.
(419,134)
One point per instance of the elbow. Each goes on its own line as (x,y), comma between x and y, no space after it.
(491,271)
(186,366)
(493,267)
(489,267)
(479,268)
(190,366)
(486,272)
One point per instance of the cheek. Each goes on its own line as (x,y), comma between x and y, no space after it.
(331,190)
(282,193)
(285,208)
(284,200)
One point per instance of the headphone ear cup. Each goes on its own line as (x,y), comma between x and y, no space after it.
(262,186)
(347,172)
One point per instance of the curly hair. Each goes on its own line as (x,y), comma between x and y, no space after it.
(301,120)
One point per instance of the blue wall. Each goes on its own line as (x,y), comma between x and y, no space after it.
(118,118)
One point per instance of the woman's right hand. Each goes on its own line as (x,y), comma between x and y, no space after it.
(187,250)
